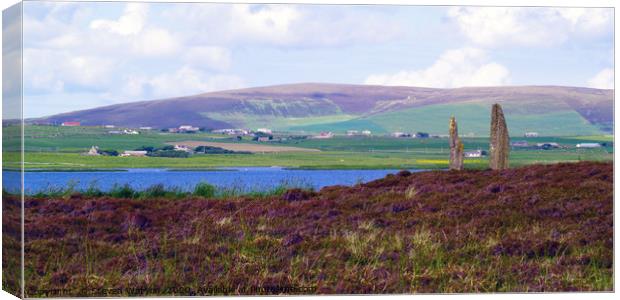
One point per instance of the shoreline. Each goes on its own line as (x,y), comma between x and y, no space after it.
(237,168)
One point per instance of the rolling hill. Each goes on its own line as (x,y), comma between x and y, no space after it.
(314,107)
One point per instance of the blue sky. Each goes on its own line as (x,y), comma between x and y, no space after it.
(82,55)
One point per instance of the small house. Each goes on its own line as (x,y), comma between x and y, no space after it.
(324,135)
(352,132)
(589,145)
(109,126)
(70,124)
(130,131)
(230,131)
(94,151)
(531,134)
(264,130)
(547,146)
(137,153)
(263,139)
(366,132)
(146,128)
(183,148)
(421,135)
(399,134)
(520,144)
(475,153)
(188,128)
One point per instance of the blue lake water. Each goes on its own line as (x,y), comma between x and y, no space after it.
(246,179)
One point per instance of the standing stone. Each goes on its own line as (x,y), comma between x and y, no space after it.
(456,147)
(499,143)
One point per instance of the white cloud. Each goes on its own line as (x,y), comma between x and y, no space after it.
(146,52)
(131,22)
(217,58)
(132,29)
(603,79)
(154,42)
(51,70)
(282,25)
(272,22)
(121,59)
(454,68)
(588,20)
(11,59)
(502,26)
(183,81)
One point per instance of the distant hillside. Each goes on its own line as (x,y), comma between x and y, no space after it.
(313,107)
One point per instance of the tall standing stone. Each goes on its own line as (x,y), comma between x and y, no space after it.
(456,147)
(499,144)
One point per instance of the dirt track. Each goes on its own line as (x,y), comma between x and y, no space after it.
(244,147)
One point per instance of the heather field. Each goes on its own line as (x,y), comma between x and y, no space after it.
(530,229)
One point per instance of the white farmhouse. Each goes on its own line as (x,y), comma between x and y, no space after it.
(264,130)
(134,153)
(475,153)
(589,145)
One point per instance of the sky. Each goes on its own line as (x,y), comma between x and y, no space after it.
(80,55)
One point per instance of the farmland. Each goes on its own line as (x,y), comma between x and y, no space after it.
(473,119)
(249,147)
(60,148)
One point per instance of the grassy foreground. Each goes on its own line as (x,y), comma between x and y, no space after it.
(536,228)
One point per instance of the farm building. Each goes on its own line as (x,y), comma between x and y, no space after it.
(130,131)
(231,131)
(399,134)
(263,139)
(124,131)
(188,128)
(475,153)
(183,148)
(531,134)
(421,135)
(70,124)
(520,144)
(94,151)
(264,130)
(546,146)
(324,135)
(109,126)
(589,145)
(146,128)
(134,153)
(358,133)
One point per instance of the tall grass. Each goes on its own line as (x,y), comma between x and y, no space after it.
(200,190)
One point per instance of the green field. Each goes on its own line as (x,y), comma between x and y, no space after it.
(278,122)
(473,119)
(80,139)
(321,160)
(59,148)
